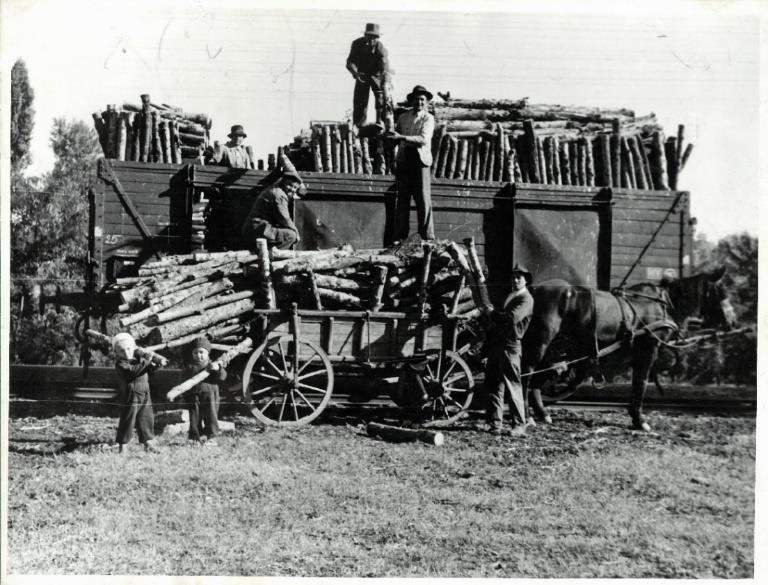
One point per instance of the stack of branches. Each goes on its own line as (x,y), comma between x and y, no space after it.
(512,140)
(151,132)
(432,279)
(178,298)
(335,147)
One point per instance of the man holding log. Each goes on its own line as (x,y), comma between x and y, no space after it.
(233,154)
(413,132)
(503,348)
(270,217)
(368,63)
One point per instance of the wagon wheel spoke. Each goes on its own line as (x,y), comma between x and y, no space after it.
(282,357)
(454,402)
(304,398)
(445,408)
(282,408)
(431,373)
(267,405)
(458,376)
(268,376)
(439,364)
(314,388)
(274,367)
(263,390)
(457,390)
(301,369)
(448,371)
(293,404)
(310,374)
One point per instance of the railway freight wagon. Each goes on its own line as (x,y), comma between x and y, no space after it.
(595,236)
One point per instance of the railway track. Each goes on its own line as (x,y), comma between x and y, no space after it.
(61,386)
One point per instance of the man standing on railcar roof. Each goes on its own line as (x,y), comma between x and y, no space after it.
(414,131)
(368,63)
(233,154)
(503,348)
(270,217)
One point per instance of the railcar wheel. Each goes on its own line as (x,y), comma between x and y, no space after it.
(448,386)
(284,390)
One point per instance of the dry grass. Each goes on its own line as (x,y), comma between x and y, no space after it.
(586,498)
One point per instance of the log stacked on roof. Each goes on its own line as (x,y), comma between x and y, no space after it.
(178,298)
(151,132)
(514,141)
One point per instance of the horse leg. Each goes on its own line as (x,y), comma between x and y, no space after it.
(531,391)
(643,357)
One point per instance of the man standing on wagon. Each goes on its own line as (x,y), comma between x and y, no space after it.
(414,131)
(503,348)
(368,63)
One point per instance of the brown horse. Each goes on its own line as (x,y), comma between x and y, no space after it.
(578,322)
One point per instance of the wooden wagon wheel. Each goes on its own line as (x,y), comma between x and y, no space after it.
(286,389)
(448,387)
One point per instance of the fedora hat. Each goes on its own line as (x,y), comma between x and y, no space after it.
(372,29)
(237,130)
(520,269)
(419,90)
(291,175)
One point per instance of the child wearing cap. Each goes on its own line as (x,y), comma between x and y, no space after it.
(203,399)
(136,411)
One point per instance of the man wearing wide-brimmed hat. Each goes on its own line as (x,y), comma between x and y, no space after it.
(270,216)
(368,63)
(233,153)
(503,348)
(413,132)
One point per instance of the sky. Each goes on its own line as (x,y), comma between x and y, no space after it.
(274,69)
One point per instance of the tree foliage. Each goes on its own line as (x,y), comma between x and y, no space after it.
(49,224)
(22,117)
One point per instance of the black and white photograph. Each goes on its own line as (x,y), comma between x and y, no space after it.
(380,290)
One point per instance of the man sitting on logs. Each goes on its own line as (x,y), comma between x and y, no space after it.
(233,154)
(270,217)
(414,131)
(368,63)
(503,347)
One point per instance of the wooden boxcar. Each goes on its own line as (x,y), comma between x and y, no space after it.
(595,236)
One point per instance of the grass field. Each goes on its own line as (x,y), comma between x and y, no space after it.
(584,498)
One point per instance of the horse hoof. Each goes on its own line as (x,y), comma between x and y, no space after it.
(547,420)
(643,426)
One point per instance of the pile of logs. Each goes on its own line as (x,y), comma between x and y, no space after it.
(514,141)
(151,132)
(178,298)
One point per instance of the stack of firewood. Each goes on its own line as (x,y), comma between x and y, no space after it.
(151,132)
(178,298)
(514,141)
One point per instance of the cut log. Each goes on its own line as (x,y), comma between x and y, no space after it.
(437,139)
(589,163)
(426,263)
(477,276)
(156,148)
(122,136)
(378,283)
(606,174)
(335,149)
(326,151)
(450,165)
(187,325)
(637,162)
(626,164)
(581,162)
(104,341)
(101,131)
(267,293)
(616,167)
(549,161)
(317,157)
(670,152)
(223,361)
(556,161)
(573,161)
(112,131)
(400,435)
(500,142)
(367,166)
(340,298)
(565,164)
(197,308)
(461,163)
(220,330)
(542,163)
(309,276)
(534,174)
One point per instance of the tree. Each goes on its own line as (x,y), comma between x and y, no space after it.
(22,117)
(48,226)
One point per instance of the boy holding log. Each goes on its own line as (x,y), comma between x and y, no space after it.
(132,370)
(203,399)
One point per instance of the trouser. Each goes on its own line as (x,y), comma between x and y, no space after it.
(382,97)
(276,237)
(203,408)
(413,181)
(136,412)
(502,376)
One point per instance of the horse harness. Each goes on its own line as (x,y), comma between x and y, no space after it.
(630,318)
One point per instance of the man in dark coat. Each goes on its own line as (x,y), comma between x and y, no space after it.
(368,63)
(270,216)
(503,348)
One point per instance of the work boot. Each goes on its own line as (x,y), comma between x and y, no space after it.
(517,431)
(151,447)
(122,448)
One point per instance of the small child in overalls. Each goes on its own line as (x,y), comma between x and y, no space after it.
(203,399)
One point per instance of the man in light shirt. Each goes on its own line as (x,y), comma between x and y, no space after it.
(413,132)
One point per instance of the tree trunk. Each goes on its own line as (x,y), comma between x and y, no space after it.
(400,435)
